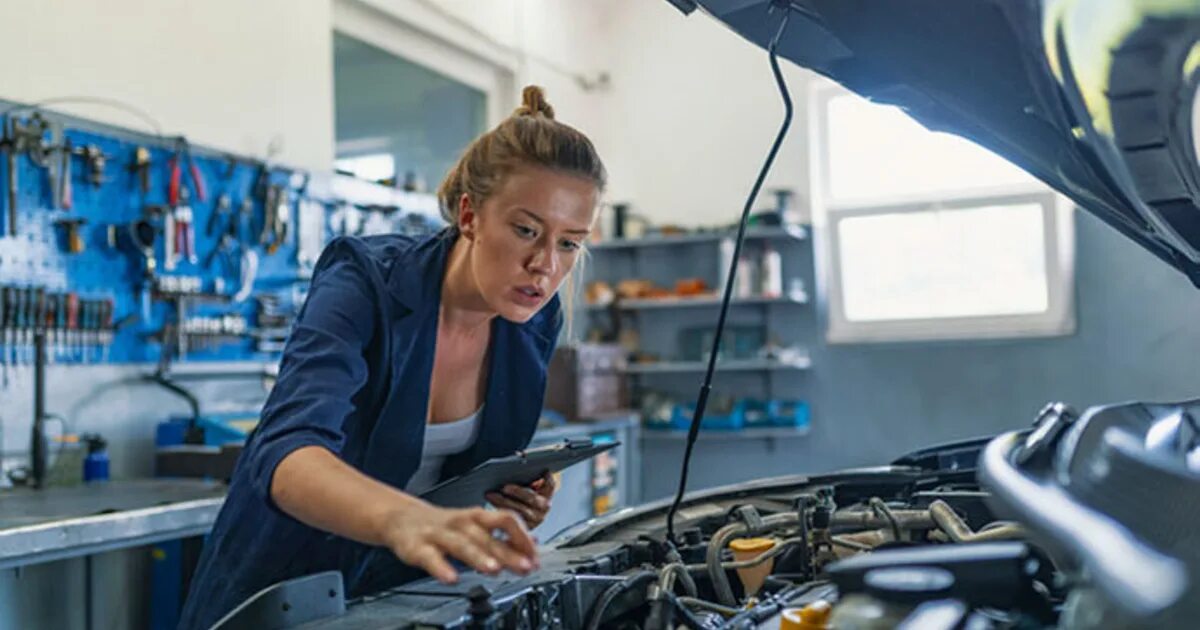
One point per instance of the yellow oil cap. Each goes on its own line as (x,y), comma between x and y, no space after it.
(751,545)
(814,616)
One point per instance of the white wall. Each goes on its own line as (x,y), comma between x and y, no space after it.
(687,115)
(557,44)
(692,110)
(194,65)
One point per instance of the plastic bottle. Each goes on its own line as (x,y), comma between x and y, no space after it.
(772,273)
(95,465)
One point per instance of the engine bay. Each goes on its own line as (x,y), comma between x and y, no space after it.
(949,537)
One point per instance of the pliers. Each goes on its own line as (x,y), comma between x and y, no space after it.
(184,152)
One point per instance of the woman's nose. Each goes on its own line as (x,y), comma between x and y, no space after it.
(542,261)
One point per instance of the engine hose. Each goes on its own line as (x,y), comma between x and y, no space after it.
(677,571)
(689,619)
(724,611)
(958,531)
(612,592)
(716,572)
(882,509)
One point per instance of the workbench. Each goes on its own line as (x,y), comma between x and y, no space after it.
(56,523)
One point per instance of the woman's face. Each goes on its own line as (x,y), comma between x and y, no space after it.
(526,237)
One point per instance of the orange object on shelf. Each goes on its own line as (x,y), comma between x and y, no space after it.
(634,288)
(691,287)
(657,293)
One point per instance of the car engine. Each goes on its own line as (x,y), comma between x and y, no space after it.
(1083,521)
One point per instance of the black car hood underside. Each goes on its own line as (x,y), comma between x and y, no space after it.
(978,69)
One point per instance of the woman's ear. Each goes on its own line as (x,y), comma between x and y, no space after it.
(468,221)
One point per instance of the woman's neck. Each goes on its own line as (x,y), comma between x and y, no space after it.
(463,307)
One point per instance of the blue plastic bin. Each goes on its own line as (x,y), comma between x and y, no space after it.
(735,419)
(788,413)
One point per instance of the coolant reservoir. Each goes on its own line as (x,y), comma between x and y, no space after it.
(748,549)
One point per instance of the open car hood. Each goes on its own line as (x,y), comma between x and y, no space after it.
(1094,97)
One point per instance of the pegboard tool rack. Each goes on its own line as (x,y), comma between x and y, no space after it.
(146,295)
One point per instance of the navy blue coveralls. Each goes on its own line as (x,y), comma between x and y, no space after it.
(354,378)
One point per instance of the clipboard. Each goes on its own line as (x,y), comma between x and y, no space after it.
(521,468)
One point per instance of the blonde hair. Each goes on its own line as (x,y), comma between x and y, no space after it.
(530,136)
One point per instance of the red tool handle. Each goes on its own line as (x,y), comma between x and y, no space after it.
(68,197)
(173,188)
(72,311)
(180,238)
(197,180)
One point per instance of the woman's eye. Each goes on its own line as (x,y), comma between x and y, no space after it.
(524,232)
(570,246)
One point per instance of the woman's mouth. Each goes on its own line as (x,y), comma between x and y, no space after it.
(528,295)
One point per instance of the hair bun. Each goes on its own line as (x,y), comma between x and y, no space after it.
(533,102)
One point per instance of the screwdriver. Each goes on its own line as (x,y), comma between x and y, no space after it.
(106,328)
(72,323)
(4,333)
(49,319)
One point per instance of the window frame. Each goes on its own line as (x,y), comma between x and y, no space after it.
(1059,234)
(409,30)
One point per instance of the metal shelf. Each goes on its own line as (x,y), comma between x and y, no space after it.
(697,302)
(793,233)
(764,433)
(733,365)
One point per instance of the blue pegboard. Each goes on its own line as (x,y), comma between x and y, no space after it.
(37,256)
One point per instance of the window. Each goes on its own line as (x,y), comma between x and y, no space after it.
(374,167)
(928,236)
(399,121)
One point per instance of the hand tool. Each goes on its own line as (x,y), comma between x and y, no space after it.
(246,219)
(87,309)
(220,212)
(67,194)
(73,324)
(75,241)
(141,166)
(185,236)
(48,325)
(97,161)
(169,239)
(106,328)
(4,314)
(11,152)
(38,319)
(23,323)
(183,152)
(10,326)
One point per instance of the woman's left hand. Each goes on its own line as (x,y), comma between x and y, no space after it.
(530,503)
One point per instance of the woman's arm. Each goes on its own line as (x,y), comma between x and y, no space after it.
(317,488)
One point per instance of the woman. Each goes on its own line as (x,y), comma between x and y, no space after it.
(412,361)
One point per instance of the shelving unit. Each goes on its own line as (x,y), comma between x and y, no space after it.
(733,365)
(767,433)
(707,301)
(661,323)
(793,233)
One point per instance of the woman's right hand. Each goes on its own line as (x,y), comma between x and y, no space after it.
(424,535)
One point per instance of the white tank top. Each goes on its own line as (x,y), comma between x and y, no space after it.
(442,440)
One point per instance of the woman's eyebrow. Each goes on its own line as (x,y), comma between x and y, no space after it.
(532,216)
(582,232)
